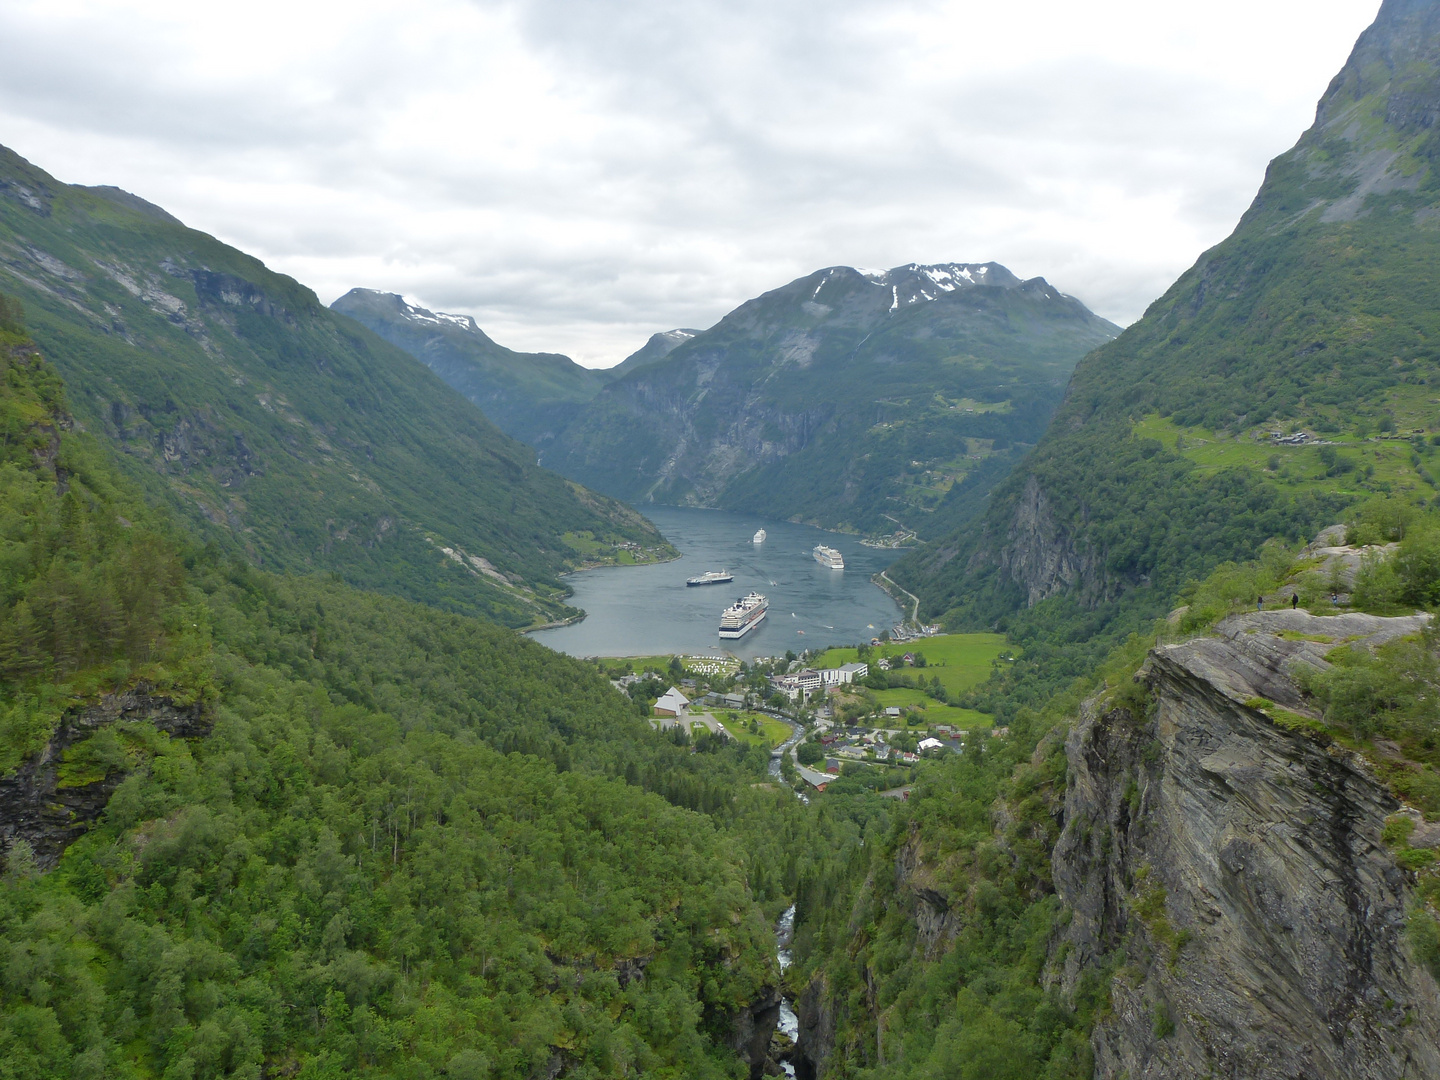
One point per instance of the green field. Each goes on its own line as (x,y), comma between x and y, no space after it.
(961,661)
(772,732)
(1362,462)
(935,712)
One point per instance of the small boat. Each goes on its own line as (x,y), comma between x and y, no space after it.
(758,538)
(711,577)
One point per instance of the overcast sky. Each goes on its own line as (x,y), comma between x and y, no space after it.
(578,174)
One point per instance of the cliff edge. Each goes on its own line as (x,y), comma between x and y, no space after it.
(1225,860)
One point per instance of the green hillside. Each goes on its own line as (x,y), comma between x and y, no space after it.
(280,429)
(1317,317)
(530,396)
(866,401)
(387,840)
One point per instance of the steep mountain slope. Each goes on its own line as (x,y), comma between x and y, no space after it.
(847,398)
(1206,875)
(253,825)
(1279,376)
(528,395)
(285,429)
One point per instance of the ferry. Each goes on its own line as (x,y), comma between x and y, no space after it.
(828,556)
(758,538)
(743,616)
(711,577)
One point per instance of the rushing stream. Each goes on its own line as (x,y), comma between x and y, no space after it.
(789,1022)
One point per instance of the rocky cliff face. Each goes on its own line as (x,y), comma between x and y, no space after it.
(38,807)
(815,1011)
(1221,863)
(1230,871)
(751,1030)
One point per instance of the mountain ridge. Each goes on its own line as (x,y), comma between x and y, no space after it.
(289,434)
(774,409)
(1315,316)
(529,396)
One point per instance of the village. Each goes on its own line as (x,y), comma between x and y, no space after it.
(867,713)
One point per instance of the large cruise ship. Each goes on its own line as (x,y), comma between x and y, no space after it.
(759,537)
(711,577)
(743,616)
(828,556)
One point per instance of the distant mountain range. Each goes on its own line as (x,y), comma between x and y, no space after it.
(531,396)
(867,400)
(284,431)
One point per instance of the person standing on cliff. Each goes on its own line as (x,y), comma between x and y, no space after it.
(1259,603)
(1294,601)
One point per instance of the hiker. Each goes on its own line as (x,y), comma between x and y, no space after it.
(1259,603)
(1294,601)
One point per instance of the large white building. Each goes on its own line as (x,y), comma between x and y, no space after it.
(845,673)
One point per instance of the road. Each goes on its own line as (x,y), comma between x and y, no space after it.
(914,600)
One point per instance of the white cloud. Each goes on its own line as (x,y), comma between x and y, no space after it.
(580,173)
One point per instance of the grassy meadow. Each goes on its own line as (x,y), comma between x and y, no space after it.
(772,732)
(960,661)
(1357,463)
(934,712)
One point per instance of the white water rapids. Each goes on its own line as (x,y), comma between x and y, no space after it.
(789,1022)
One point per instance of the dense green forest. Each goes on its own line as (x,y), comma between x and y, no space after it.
(412,843)
(401,841)
(281,430)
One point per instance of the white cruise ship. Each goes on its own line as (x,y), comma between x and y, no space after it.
(758,538)
(743,616)
(828,556)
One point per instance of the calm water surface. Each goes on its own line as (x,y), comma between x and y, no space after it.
(648,610)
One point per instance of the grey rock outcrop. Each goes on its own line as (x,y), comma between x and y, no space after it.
(1232,872)
(751,1028)
(815,1012)
(36,809)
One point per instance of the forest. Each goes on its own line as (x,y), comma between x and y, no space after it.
(412,844)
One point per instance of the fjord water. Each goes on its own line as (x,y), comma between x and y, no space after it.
(649,610)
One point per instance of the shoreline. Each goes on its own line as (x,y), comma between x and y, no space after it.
(571,621)
(914,616)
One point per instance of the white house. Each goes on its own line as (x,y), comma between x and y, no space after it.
(930,744)
(672,703)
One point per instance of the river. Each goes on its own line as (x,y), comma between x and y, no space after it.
(789,1024)
(649,610)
